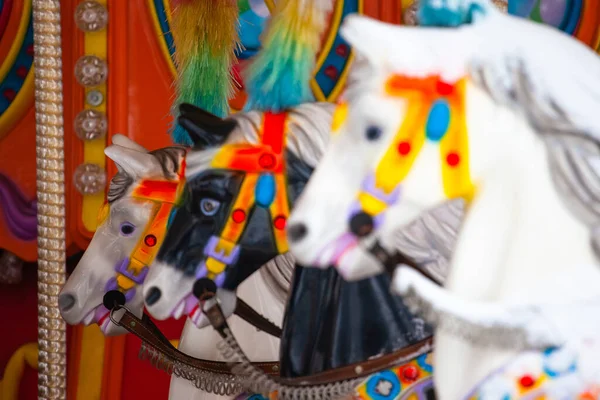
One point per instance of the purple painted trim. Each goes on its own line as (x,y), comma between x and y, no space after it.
(100,312)
(19,213)
(342,244)
(123,270)
(220,279)
(211,251)
(201,270)
(371,188)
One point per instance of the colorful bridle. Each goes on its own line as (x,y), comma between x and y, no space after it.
(435,112)
(263,185)
(166,195)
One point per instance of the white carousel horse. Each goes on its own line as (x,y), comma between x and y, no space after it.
(504,113)
(130,214)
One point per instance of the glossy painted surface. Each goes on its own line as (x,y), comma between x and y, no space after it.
(139,98)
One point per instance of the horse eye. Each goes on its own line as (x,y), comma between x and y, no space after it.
(127,228)
(373,132)
(209,207)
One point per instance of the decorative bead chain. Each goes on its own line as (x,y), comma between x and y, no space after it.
(52,371)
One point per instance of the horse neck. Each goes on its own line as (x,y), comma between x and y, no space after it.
(517,230)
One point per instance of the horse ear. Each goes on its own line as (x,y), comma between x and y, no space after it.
(124,141)
(134,163)
(205,129)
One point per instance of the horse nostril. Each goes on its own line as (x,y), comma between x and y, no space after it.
(361,224)
(153,296)
(297,232)
(66,302)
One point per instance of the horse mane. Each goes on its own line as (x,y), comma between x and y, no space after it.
(167,157)
(309,131)
(573,147)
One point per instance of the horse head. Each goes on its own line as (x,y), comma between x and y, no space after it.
(423,122)
(241,182)
(131,226)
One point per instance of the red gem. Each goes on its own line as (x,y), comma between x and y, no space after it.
(331,72)
(22,72)
(238,216)
(266,161)
(404,148)
(10,94)
(29,50)
(280,222)
(452,159)
(444,88)
(410,373)
(527,381)
(150,240)
(342,50)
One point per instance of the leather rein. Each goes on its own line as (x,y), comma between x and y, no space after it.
(149,333)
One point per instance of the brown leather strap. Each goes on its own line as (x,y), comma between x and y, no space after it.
(352,371)
(146,330)
(368,367)
(248,314)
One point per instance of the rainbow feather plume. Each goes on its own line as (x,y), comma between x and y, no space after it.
(279,75)
(206,37)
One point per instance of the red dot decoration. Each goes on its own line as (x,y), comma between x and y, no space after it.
(29,50)
(444,88)
(238,216)
(342,50)
(150,240)
(453,159)
(404,148)
(266,161)
(280,222)
(331,72)
(10,94)
(527,381)
(410,373)
(22,72)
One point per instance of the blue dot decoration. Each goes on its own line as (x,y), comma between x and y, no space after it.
(422,362)
(553,373)
(257,397)
(264,193)
(384,385)
(438,120)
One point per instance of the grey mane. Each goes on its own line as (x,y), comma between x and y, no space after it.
(167,157)
(573,151)
(309,133)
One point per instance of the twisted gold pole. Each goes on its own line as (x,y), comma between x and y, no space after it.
(52,376)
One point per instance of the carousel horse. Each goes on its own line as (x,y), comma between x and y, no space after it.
(506,117)
(241,183)
(131,228)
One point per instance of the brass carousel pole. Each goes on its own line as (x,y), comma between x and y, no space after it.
(52,371)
